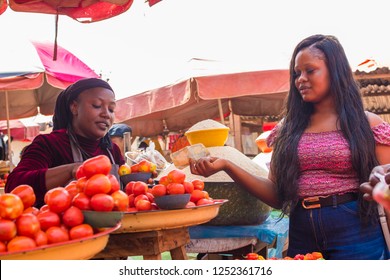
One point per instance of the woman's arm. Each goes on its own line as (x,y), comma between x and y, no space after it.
(263,188)
(61,175)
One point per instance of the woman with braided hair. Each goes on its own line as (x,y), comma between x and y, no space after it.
(83,114)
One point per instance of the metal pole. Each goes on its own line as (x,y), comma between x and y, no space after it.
(8,132)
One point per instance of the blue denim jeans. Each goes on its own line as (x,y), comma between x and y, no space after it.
(337,232)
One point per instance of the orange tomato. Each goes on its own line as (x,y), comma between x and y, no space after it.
(26,194)
(56,235)
(7,230)
(82,201)
(80,231)
(176,176)
(159,190)
(59,200)
(102,202)
(121,200)
(27,225)
(72,217)
(175,188)
(48,219)
(11,206)
(124,169)
(21,243)
(98,183)
(198,184)
(97,165)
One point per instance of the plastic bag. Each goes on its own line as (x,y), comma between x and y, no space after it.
(150,154)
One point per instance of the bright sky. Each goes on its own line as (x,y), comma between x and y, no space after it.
(148,47)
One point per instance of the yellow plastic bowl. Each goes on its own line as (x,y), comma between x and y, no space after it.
(208,137)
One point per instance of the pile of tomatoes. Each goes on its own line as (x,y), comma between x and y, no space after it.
(24,227)
(307,256)
(141,197)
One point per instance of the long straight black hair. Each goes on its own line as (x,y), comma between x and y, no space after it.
(352,119)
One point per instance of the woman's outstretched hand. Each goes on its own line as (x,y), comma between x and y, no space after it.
(207,166)
(375,177)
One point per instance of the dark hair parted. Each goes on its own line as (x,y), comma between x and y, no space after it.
(351,116)
(62,118)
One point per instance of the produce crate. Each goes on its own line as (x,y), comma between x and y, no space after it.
(242,208)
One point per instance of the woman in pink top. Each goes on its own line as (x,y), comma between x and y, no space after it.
(323,149)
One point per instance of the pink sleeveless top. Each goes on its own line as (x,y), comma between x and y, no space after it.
(325,161)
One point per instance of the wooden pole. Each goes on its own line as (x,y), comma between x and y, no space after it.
(8,132)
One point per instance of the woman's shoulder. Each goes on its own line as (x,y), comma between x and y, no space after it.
(373,119)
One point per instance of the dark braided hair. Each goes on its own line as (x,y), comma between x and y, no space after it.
(352,118)
(62,118)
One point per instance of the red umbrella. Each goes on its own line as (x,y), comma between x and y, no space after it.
(80,10)
(30,86)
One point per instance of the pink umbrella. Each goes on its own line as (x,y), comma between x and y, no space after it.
(30,85)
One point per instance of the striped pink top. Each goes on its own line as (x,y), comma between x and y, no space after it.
(325,161)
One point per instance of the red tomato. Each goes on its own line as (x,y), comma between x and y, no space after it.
(159,190)
(44,208)
(80,231)
(102,202)
(7,230)
(40,238)
(98,183)
(143,205)
(48,219)
(80,172)
(73,189)
(81,183)
(150,196)
(131,200)
(56,235)
(97,165)
(115,186)
(140,197)
(140,188)
(198,184)
(196,195)
(72,217)
(82,201)
(26,194)
(164,180)
(11,206)
(27,225)
(121,200)
(3,247)
(129,187)
(59,200)
(176,176)
(175,188)
(190,204)
(32,210)
(188,187)
(21,243)
(204,201)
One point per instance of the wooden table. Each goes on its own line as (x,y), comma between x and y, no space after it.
(149,244)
